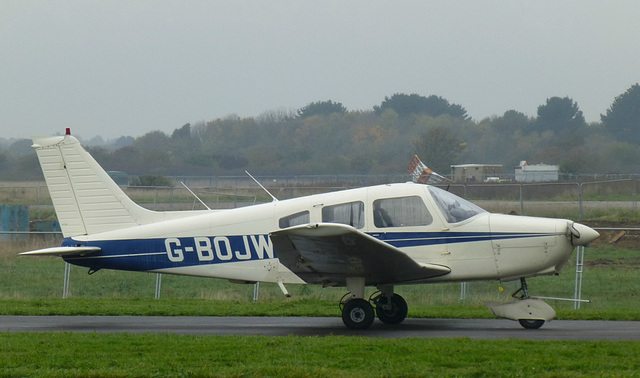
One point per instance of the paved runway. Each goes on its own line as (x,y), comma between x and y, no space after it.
(317,326)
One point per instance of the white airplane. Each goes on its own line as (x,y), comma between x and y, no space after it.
(380,236)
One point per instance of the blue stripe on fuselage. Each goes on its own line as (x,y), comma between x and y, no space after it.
(416,239)
(154,254)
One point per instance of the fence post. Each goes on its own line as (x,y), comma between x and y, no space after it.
(67,275)
(579,269)
(580,198)
(256,291)
(521,201)
(464,290)
(158,285)
(38,202)
(634,195)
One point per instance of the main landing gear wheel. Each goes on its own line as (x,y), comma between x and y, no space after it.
(391,310)
(357,314)
(531,323)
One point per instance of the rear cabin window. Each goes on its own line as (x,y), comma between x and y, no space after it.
(295,219)
(401,212)
(351,213)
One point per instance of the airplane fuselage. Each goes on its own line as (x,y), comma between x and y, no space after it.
(235,244)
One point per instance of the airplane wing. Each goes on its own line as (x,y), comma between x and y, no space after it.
(327,253)
(62,251)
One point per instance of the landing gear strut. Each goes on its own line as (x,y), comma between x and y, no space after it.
(523,288)
(526,323)
(531,313)
(358,313)
(390,309)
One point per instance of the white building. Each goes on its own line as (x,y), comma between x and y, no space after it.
(537,172)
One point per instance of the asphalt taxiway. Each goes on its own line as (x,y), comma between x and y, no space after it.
(489,329)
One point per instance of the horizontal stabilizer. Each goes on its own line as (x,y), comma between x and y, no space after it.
(63,251)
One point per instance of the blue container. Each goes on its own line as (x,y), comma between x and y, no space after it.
(14,218)
(45,226)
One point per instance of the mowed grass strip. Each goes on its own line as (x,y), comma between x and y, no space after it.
(33,286)
(166,307)
(302,307)
(88,354)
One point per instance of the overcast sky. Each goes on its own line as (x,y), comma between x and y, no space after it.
(115,68)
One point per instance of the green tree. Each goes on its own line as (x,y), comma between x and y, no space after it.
(623,117)
(560,114)
(123,141)
(153,141)
(152,180)
(155,151)
(124,159)
(433,105)
(438,148)
(321,108)
(496,140)
(25,166)
(182,133)
(510,121)
(21,147)
(623,157)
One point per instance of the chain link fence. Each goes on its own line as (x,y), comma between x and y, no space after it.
(574,200)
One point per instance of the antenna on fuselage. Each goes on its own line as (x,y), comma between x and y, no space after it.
(263,188)
(192,193)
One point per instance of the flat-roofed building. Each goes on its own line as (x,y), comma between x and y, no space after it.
(475,172)
(536,172)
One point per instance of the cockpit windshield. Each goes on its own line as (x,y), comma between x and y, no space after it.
(454,208)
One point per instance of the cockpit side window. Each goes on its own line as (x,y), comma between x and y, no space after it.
(351,213)
(454,208)
(294,219)
(400,212)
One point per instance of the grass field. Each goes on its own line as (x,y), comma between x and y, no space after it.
(34,286)
(610,280)
(68,354)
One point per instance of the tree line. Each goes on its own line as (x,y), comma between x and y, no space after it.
(324,137)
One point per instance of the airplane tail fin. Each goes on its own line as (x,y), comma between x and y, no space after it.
(423,175)
(85,198)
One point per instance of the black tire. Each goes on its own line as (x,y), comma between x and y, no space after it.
(395,312)
(358,314)
(531,323)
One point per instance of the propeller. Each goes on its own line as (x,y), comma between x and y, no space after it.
(581,234)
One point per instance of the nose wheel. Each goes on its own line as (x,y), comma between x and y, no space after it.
(523,294)
(530,312)
(531,323)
